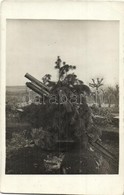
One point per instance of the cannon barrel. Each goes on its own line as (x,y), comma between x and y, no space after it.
(36,89)
(36,81)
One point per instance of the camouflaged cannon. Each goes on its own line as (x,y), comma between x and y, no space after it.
(41,89)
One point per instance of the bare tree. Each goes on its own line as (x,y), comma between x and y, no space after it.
(97,84)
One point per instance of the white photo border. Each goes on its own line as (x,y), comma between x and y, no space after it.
(62,10)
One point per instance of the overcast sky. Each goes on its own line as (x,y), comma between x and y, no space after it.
(33,46)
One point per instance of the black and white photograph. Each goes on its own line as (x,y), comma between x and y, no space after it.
(62,97)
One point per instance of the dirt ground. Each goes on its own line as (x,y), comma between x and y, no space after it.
(23,157)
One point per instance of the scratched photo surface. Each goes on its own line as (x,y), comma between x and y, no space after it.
(62,97)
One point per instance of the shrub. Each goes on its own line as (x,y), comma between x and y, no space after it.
(17,141)
(102,116)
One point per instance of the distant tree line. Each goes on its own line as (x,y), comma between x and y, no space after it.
(104,95)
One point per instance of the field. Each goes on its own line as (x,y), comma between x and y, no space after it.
(24,156)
